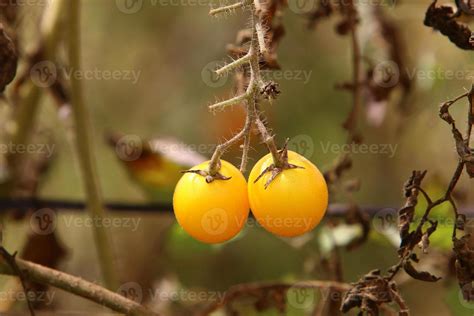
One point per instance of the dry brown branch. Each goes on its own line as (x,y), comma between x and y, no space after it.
(40,274)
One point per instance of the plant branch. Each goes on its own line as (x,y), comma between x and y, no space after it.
(235,64)
(40,274)
(12,262)
(250,97)
(226,103)
(260,289)
(228,8)
(84,149)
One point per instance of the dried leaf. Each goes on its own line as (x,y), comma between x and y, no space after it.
(406,213)
(442,18)
(369,293)
(419,275)
(8,59)
(464,253)
(425,239)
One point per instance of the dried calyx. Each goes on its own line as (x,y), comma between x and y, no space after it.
(278,166)
(209,175)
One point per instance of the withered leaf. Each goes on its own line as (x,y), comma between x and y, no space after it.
(407,212)
(368,294)
(8,59)
(464,253)
(419,275)
(470,169)
(425,239)
(441,18)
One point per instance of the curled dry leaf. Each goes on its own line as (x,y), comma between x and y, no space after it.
(464,252)
(425,239)
(407,213)
(465,153)
(369,293)
(8,59)
(443,18)
(419,275)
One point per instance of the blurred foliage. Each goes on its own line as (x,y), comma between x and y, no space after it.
(169,47)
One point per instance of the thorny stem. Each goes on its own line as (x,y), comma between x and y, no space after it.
(236,63)
(251,95)
(269,142)
(228,8)
(84,149)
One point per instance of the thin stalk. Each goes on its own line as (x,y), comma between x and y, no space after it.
(84,150)
(43,275)
(28,108)
(250,96)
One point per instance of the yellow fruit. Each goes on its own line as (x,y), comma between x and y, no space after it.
(294,202)
(212,212)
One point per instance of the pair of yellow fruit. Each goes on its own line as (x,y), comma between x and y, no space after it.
(293,203)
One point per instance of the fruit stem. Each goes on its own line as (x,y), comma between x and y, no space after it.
(250,97)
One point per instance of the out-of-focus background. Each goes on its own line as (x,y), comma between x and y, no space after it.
(161,52)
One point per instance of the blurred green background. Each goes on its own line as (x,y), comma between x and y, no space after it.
(169,46)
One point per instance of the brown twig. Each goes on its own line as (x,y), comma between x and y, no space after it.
(259,289)
(420,236)
(37,273)
(12,262)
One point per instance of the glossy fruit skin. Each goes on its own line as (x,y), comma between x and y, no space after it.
(294,202)
(212,212)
